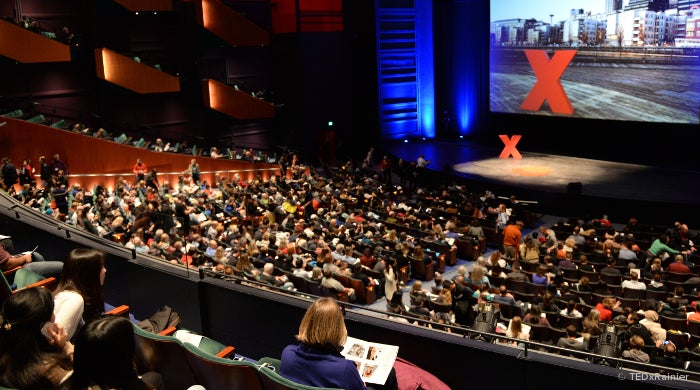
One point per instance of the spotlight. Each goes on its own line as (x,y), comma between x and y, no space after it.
(405,141)
(461,137)
(423,138)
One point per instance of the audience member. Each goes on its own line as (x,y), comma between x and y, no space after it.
(515,330)
(679,266)
(571,340)
(529,251)
(633,283)
(32,261)
(606,308)
(315,361)
(635,350)
(79,298)
(667,356)
(104,358)
(570,310)
(34,351)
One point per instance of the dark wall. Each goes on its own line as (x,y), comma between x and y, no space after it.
(331,76)
(659,144)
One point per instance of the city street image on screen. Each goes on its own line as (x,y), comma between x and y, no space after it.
(630,60)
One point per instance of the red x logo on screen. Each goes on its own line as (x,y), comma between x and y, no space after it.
(548,86)
(510,149)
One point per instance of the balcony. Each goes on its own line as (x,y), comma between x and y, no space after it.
(130,74)
(234,103)
(26,46)
(229,25)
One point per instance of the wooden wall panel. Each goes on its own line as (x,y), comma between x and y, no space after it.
(234,103)
(126,72)
(27,46)
(94,161)
(229,25)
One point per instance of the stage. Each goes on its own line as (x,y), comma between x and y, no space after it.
(612,185)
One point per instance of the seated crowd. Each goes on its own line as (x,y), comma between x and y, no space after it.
(353,224)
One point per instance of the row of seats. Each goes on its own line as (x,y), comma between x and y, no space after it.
(18,278)
(183,365)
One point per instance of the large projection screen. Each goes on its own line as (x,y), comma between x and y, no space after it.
(596,59)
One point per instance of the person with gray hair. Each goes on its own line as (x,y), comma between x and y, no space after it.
(330,282)
(275,280)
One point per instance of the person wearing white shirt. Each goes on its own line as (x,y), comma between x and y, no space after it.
(633,283)
(79,297)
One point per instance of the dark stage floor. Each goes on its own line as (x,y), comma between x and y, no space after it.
(613,188)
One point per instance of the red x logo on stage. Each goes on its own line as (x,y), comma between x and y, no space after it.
(548,86)
(509,149)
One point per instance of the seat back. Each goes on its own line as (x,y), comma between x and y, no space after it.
(632,303)
(537,289)
(272,380)
(5,288)
(164,355)
(465,249)
(570,274)
(25,278)
(516,285)
(539,333)
(670,323)
(510,311)
(611,279)
(565,321)
(121,139)
(364,294)
(679,277)
(633,293)
(694,328)
(421,270)
(592,276)
(299,283)
(314,287)
(218,373)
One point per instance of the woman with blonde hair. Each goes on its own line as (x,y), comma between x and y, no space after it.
(316,360)
(515,330)
(246,266)
(220,255)
(478,277)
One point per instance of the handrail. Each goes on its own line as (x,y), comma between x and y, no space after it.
(11,207)
(462,332)
(14,209)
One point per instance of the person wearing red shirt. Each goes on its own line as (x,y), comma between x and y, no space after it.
(512,236)
(140,170)
(679,266)
(606,308)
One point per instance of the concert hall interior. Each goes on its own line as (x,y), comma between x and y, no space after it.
(554,107)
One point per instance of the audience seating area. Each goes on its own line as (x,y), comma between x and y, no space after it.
(183,365)
(409,214)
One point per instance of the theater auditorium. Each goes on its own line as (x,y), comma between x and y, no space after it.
(507,193)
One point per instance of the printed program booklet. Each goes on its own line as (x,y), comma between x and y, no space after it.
(374,361)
